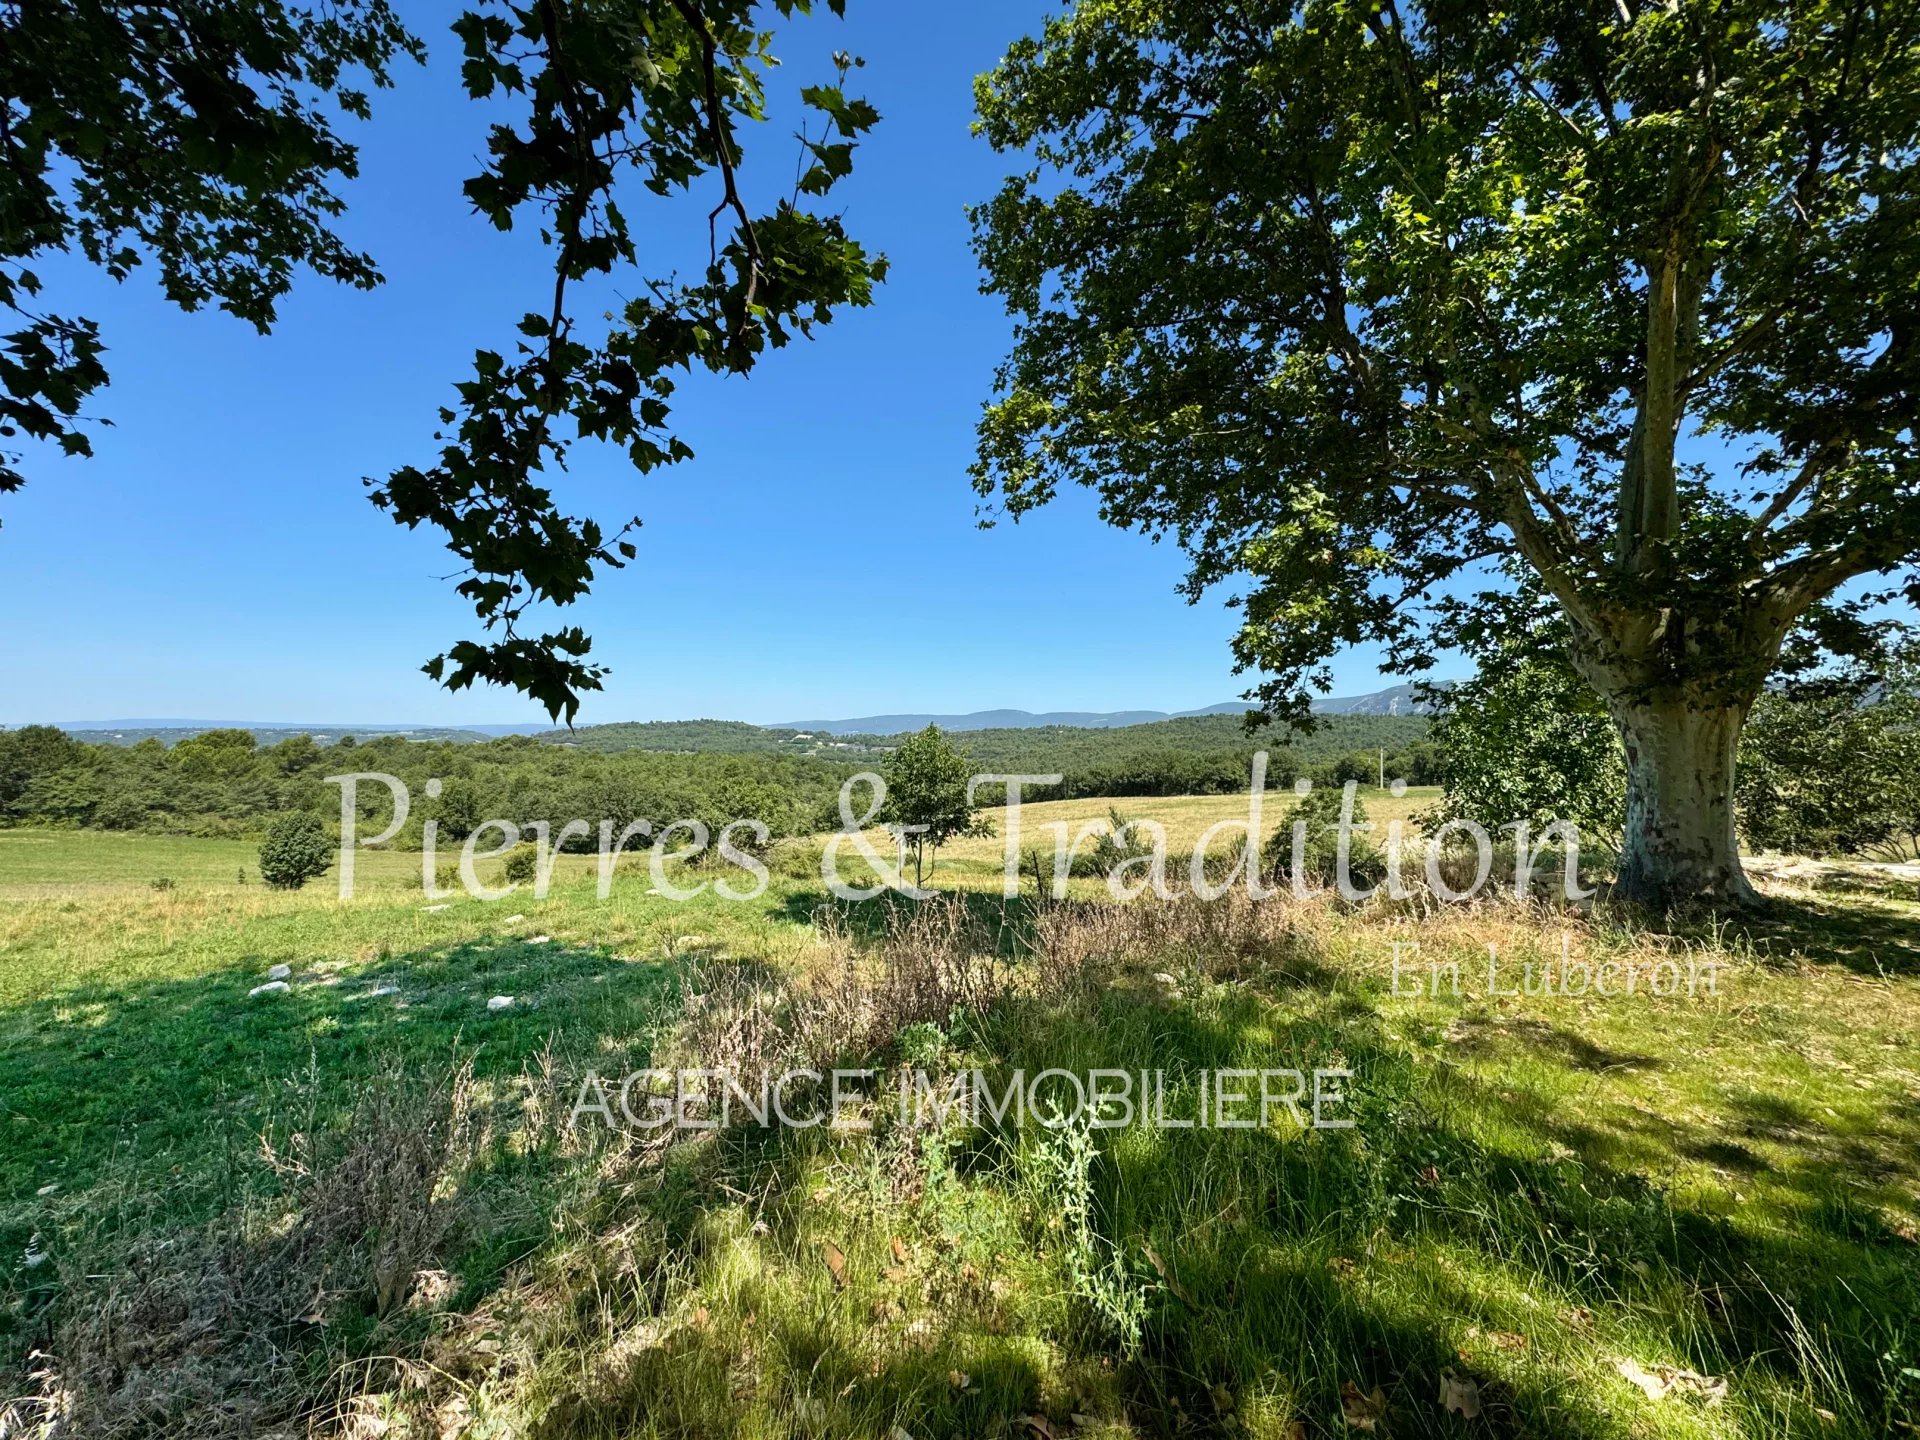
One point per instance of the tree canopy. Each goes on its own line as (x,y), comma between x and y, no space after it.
(1359,300)
(202,139)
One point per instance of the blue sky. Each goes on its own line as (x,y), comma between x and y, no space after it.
(820,557)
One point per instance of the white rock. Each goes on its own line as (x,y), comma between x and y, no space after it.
(48,1189)
(34,1259)
(513,920)
(500,1002)
(538,939)
(1169,981)
(379,990)
(272,987)
(280,972)
(432,909)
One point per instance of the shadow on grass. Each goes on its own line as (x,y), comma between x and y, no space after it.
(1288,1263)
(1868,937)
(179,1075)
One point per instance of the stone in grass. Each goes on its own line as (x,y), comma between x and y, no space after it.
(272,987)
(538,939)
(431,909)
(513,920)
(379,990)
(280,972)
(500,1002)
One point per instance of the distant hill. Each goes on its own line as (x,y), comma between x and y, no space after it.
(980,720)
(172,732)
(1396,700)
(688,737)
(1186,754)
(850,739)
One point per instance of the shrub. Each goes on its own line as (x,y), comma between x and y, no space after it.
(1120,842)
(295,851)
(1320,857)
(522,863)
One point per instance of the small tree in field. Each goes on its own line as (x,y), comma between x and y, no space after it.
(927,795)
(295,851)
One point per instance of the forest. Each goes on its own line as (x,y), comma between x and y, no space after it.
(224,783)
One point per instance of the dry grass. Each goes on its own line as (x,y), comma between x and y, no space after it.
(1540,1185)
(1186,818)
(200,1330)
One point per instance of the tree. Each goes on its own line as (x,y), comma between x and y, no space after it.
(927,797)
(30,751)
(200,138)
(1830,764)
(1320,812)
(295,851)
(215,753)
(1356,299)
(1526,739)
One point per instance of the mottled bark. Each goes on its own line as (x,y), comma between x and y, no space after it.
(1680,845)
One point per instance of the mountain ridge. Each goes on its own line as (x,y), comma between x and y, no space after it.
(1394,700)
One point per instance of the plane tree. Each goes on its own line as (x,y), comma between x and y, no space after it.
(1391,313)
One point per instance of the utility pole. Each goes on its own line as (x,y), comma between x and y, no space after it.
(1383,767)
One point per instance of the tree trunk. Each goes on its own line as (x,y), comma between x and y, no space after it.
(1679,846)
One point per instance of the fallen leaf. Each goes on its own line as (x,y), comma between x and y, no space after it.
(1040,1426)
(899,1432)
(1580,1317)
(893,1274)
(1826,1415)
(899,1251)
(836,1259)
(1507,1340)
(1431,1175)
(1166,1275)
(701,1317)
(959,1379)
(1460,1395)
(1663,1380)
(1360,1411)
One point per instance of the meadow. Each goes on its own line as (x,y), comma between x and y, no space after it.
(356,1207)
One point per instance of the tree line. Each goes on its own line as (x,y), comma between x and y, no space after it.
(227,783)
(221,783)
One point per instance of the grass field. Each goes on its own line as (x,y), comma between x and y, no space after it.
(356,1208)
(1186,818)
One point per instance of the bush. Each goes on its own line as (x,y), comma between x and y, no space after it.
(1320,856)
(295,851)
(1120,842)
(522,862)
